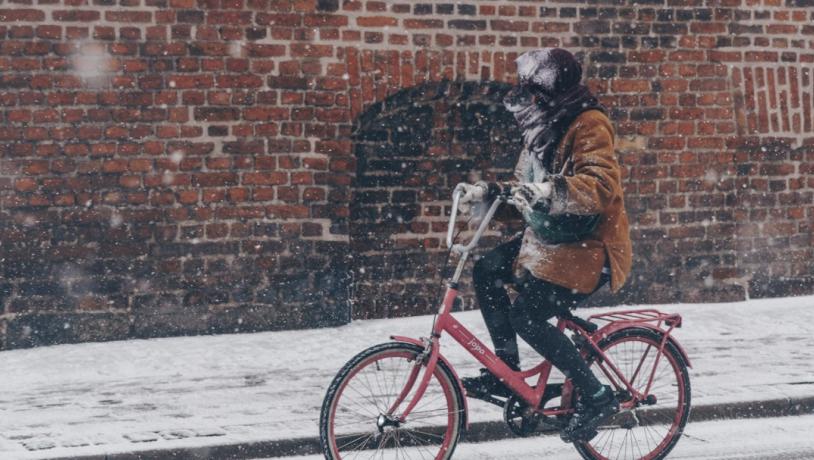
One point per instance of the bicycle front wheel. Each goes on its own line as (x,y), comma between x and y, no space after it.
(355,422)
(648,430)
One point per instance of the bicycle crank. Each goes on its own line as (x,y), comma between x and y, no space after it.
(523,420)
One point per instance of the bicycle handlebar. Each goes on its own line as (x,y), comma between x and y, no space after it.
(456,198)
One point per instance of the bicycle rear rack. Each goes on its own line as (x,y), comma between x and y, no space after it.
(640,316)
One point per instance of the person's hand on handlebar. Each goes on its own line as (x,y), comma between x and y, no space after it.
(483,191)
(531,196)
(472,192)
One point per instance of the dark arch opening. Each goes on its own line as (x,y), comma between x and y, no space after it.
(411,149)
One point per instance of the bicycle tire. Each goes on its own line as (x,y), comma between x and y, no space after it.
(443,376)
(683,399)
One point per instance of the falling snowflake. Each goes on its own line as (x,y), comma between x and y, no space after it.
(115,219)
(91,63)
(237,49)
(177,156)
(711,176)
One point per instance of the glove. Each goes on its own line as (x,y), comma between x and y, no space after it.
(530,196)
(472,192)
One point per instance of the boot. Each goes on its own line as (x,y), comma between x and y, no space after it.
(590,412)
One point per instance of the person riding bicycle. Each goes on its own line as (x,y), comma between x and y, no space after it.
(568,190)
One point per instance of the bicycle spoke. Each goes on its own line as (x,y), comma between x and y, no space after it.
(636,443)
(354,441)
(360,446)
(421,446)
(367,409)
(351,423)
(432,435)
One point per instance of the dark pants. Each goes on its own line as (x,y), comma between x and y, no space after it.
(537,302)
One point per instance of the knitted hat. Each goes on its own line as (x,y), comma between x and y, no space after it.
(551,71)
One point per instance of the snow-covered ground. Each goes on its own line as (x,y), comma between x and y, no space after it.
(111,397)
(786,438)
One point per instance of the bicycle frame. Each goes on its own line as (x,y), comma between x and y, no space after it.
(516,380)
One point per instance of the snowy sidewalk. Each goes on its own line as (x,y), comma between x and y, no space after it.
(176,393)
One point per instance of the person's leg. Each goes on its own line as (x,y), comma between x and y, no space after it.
(490,273)
(539,301)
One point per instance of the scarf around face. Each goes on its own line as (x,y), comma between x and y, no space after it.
(545,120)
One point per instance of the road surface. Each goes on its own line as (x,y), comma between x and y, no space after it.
(785,438)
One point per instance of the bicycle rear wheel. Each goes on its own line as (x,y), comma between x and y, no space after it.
(352,424)
(648,431)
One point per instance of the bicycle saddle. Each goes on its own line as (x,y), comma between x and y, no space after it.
(583,323)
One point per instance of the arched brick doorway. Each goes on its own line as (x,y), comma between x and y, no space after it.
(411,149)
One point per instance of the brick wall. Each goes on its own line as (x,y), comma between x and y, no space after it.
(183,167)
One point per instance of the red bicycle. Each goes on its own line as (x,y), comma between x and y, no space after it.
(403,399)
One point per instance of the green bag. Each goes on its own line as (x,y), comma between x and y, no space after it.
(561,228)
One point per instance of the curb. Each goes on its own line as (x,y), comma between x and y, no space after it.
(477,432)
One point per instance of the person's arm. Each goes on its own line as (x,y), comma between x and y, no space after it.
(522,170)
(597,175)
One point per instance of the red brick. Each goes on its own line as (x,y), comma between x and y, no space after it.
(228,17)
(25,184)
(21,14)
(214,179)
(311,50)
(128,16)
(286,211)
(376,21)
(260,50)
(265,178)
(238,81)
(76,16)
(325,20)
(630,86)
(423,23)
(265,113)
(509,26)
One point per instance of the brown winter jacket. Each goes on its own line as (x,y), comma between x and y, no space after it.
(590,183)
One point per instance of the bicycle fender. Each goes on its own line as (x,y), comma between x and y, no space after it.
(400,338)
(613,327)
